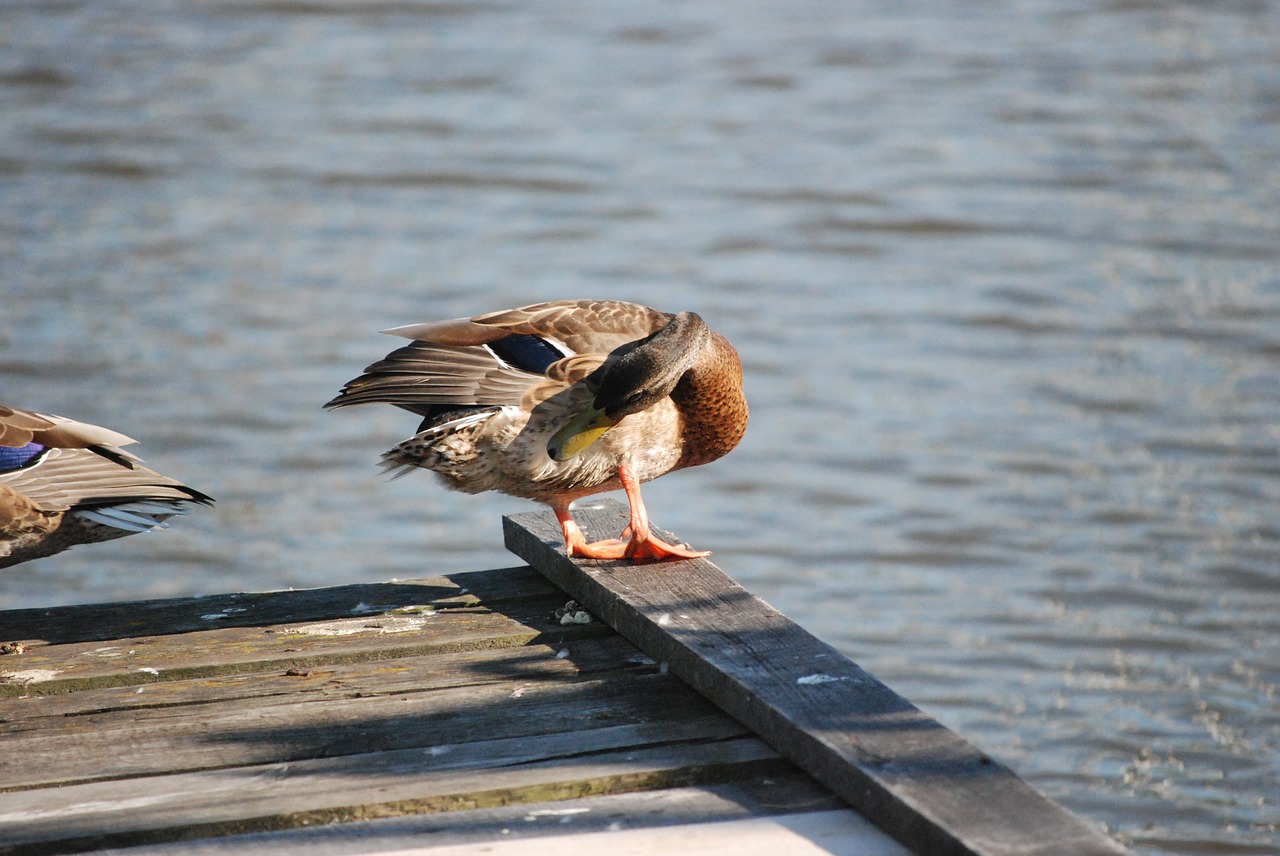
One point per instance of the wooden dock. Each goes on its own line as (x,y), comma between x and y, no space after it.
(474,713)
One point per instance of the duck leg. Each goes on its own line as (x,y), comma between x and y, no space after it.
(644,544)
(575,540)
(640,541)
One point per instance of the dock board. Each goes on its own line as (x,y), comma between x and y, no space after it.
(903,770)
(459,714)
(454,712)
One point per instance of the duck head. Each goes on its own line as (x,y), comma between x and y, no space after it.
(647,372)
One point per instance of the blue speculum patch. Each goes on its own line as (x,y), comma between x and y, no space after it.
(13,458)
(526,352)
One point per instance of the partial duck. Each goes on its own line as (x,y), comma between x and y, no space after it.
(64,483)
(557,401)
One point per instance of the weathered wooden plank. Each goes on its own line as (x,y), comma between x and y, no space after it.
(370,785)
(831,833)
(918,781)
(123,744)
(94,622)
(552,829)
(416,629)
(637,811)
(575,659)
(322,719)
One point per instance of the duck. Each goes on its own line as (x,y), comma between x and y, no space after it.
(64,483)
(561,400)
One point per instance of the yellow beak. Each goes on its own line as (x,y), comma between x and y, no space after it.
(581,431)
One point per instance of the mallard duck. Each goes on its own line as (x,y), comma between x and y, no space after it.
(557,401)
(64,483)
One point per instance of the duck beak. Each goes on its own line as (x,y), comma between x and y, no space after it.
(583,430)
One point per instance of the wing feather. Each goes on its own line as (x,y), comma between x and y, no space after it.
(460,362)
(19,427)
(61,479)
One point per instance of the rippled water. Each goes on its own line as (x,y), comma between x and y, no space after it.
(1004,277)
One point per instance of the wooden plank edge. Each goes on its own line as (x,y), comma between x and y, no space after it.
(1008,817)
(839,832)
(97,622)
(59,763)
(13,686)
(776,795)
(745,757)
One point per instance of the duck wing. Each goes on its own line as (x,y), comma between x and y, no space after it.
(59,479)
(500,358)
(576,326)
(19,427)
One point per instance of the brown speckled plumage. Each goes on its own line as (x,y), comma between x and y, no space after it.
(500,392)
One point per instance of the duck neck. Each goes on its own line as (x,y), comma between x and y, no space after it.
(710,399)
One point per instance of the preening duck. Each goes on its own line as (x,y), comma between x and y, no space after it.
(557,401)
(64,483)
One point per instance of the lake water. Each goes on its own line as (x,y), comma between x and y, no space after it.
(1004,277)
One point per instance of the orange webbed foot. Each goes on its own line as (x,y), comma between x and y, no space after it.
(637,543)
(654,549)
(644,549)
(614,548)
(650,549)
(577,546)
